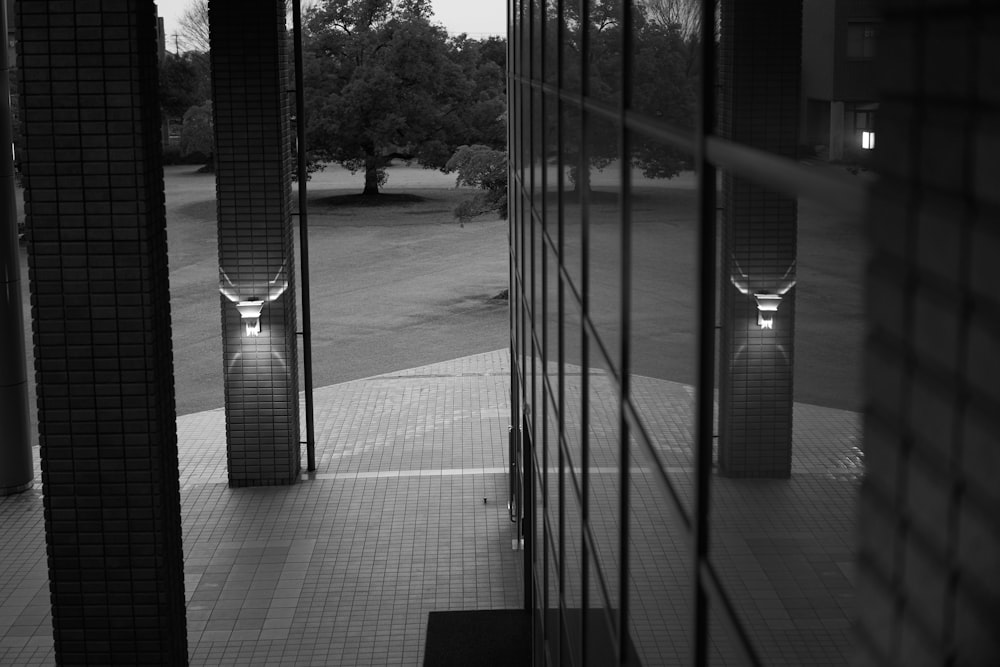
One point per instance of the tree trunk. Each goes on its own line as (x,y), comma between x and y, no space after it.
(371,175)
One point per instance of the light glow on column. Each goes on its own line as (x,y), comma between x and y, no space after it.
(767,306)
(251,306)
(250,313)
(767,301)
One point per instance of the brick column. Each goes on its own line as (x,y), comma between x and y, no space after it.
(251,104)
(101,322)
(761,62)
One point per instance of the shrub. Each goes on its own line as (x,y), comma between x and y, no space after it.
(483,168)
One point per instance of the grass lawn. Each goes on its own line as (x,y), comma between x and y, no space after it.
(402,284)
(829,293)
(396,285)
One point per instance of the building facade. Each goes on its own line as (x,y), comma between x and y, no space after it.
(654,209)
(653,278)
(839,80)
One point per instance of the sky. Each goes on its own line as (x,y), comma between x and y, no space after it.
(478,18)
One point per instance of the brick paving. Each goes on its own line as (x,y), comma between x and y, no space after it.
(344,567)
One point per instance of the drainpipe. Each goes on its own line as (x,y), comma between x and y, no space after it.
(303,175)
(16,469)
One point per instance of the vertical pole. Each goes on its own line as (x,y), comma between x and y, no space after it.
(300,130)
(528,514)
(16,469)
(705,407)
(625,325)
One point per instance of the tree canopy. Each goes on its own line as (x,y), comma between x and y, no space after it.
(383,82)
(194,26)
(185,82)
(664,73)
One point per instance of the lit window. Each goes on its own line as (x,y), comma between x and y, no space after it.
(868,140)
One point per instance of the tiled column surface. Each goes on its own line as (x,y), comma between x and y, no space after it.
(253,167)
(929,581)
(101,323)
(760,56)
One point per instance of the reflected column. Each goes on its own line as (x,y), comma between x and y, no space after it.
(251,109)
(16,469)
(760,71)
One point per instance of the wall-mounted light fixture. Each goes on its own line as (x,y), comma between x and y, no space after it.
(250,313)
(767,306)
(767,302)
(867,140)
(250,307)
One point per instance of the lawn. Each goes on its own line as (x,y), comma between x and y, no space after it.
(393,286)
(402,284)
(664,291)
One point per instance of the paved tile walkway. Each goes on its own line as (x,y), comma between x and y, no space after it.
(344,567)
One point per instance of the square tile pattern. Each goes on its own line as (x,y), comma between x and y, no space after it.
(343,567)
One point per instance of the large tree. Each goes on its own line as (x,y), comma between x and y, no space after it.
(483,114)
(380,84)
(193,30)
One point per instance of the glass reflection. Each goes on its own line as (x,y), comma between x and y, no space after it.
(664,341)
(783,542)
(604,487)
(551,322)
(604,43)
(659,568)
(666,70)
(550,46)
(601,188)
(571,218)
(571,40)
(572,587)
(573,396)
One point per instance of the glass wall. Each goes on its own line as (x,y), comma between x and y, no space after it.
(630,129)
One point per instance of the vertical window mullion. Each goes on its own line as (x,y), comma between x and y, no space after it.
(624,390)
(706,334)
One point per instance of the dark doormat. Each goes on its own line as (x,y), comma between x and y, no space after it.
(486,638)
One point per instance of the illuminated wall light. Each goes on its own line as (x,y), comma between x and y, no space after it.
(867,140)
(250,312)
(251,307)
(767,302)
(767,306)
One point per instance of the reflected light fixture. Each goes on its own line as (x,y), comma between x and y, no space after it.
(767,306)
(250,313)
(767,302)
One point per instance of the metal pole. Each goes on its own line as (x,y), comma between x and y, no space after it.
(16,469)
(705,407)
(300,128)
